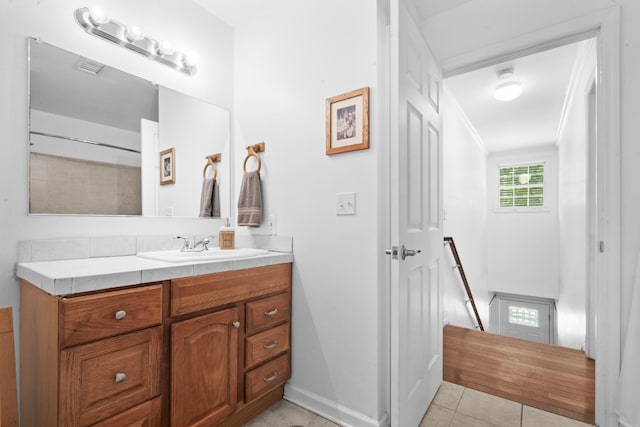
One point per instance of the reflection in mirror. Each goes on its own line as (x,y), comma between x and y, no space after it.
(96,134)
(195,129)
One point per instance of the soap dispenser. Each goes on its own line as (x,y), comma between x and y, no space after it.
(227,236)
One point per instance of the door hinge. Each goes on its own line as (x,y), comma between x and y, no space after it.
(601,246)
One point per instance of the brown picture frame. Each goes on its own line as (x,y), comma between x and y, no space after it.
(347,122)
(168,166)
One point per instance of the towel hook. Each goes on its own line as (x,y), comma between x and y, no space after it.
(252,151)
(212,159)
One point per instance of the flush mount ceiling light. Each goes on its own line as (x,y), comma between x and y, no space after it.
(509,90)
(94,21)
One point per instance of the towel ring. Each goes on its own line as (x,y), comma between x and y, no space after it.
(252,151)
(215,170)
(246,159)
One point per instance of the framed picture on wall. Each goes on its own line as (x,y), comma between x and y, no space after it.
(168,166)
(347,120)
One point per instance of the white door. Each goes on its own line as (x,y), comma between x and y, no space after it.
(150,168)
(416,221)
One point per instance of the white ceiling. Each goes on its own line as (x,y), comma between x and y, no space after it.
(429,8)
(234,12)
(112,98)
(528,121)
(456,28)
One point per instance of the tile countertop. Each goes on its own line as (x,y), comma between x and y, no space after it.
(63,277)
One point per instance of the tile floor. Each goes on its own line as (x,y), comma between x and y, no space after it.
(457,406)
(453,406)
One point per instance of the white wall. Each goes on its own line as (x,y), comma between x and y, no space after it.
(523,246)
(572,196)
(195,129)
(288,61)
(465,201)
(183,23)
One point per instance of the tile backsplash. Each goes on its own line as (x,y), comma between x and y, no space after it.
(94,247)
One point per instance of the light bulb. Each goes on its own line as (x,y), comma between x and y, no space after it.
(97,16)
(191,59)
(165,48)
(133,33)
(508,91)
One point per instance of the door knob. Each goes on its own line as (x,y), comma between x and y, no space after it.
(404,252)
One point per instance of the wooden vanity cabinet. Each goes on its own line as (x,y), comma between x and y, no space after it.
(209,350)
(230,338)
(88,358)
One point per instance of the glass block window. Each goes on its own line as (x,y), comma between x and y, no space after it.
(523,316)
(522,186)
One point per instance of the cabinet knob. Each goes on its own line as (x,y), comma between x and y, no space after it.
(271,378)
(271,313)
(270,346)
(236,325)
(121,314)
(120,377)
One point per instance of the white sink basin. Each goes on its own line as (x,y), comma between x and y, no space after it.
(213,254)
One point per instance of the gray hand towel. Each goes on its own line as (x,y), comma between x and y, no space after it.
(206,197)
(250,200)
(215,209)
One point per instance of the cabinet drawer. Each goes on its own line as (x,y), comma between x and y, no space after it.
(104,378)
(266,312)
(192,294)
(266,377)
(93,317)
(265,345)
(146,415)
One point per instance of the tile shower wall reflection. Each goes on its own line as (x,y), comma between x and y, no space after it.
(62,185)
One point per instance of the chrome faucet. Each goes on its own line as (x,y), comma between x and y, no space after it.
(189,244)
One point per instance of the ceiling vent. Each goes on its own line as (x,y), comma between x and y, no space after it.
(88,66)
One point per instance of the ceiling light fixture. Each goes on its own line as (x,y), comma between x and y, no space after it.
(510,90)
(94,21)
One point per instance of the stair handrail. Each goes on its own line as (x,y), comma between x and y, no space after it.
(448,240)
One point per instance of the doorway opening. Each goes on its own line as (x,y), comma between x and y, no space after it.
(516,188)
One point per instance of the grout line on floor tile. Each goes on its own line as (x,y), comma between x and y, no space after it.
(460,399)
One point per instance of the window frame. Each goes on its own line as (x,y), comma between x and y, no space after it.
(523,209)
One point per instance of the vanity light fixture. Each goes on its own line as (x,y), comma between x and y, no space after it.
(510,90)
(94,21)
(165,48)
(133,34)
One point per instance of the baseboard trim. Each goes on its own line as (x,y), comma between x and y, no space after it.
(331,410)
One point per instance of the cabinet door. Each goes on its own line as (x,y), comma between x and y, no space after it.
(204,368)
(104,378)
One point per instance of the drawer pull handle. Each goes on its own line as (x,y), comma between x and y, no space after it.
(236,325)
(271,378)
(121,314)
(270,346)
(120,377)
(272,312)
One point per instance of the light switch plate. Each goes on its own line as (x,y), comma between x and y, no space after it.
(345,203)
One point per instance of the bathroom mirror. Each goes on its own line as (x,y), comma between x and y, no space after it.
(97,135)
